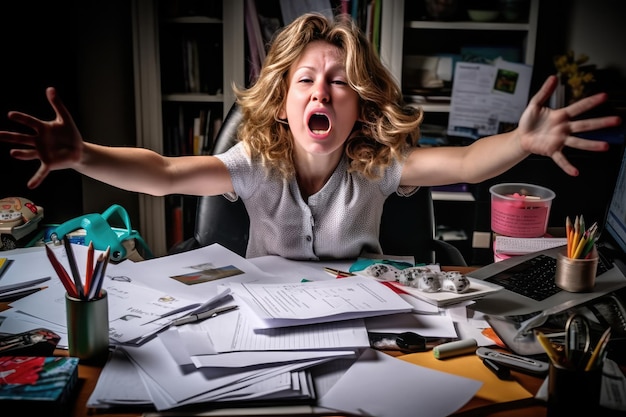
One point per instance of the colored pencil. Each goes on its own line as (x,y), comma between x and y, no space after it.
(89,268)
(569,232)
(78,282)
(596,355)
(554,356)
(62,273)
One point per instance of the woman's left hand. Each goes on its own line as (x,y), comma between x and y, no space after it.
(546,131)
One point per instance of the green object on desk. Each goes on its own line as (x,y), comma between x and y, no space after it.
(103,235)
(362,263)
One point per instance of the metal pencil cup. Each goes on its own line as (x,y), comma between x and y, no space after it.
(88,328)
(573,392)
(576,275)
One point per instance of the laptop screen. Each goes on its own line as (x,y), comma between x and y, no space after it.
(615,224)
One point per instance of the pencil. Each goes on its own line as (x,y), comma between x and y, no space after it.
(569,234)
(98,277)
(62,273)
(89,268)
(579,248)
(598,350)
(547,346)
(97,270)
(73,267)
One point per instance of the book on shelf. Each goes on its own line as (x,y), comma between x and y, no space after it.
(38,384)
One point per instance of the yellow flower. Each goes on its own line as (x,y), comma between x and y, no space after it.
(568,68)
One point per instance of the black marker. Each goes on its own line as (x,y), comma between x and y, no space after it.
(500,370)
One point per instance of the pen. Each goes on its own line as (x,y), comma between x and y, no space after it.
(172,312)
(73,267)
(212,301)
(338,273)
(193,318)
(203,308)
(21,285)
(11,295)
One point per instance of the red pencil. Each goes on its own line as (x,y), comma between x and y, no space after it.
(62,273)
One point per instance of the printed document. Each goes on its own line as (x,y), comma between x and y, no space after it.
(487,99)
(294,304)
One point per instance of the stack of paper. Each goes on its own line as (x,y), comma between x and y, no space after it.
(230,357)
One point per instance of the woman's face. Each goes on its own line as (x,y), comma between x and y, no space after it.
(321,108)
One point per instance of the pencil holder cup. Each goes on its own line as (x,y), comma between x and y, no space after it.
(576,275)
(88,328)
(573,392)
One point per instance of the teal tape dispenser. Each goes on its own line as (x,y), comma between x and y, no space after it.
(98,229)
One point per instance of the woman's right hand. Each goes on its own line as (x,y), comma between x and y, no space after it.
(56,143)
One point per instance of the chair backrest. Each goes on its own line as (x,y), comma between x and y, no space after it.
(407,224)
(217,219)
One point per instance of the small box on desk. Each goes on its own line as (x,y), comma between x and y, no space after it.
(38,384)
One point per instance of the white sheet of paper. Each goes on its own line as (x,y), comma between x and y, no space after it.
(170,385)
(298,270)
(130,306)
(420,306)
(290,304)
(158,272)
(234,332)
(113,389)
(383,386)
(246,359)
(424,325)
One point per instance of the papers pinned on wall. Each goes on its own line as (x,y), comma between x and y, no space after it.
(488,99)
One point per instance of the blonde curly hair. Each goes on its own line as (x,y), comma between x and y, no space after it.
(388,125)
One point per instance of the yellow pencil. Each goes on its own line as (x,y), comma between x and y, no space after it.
(598,350)
(579,248)
(554,357)
(575,236)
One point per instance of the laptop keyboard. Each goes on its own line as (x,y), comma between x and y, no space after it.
(534,278)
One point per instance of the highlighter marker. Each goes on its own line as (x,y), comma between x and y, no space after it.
(456,348)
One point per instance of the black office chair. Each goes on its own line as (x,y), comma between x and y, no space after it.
(407,224)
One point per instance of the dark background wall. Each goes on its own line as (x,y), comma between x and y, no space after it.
(84,48)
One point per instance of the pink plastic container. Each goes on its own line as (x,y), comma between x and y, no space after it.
(520,210)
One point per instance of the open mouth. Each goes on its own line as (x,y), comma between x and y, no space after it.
(319,123)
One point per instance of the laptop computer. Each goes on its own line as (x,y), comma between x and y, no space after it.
(611,247)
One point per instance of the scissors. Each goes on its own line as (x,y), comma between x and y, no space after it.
(577,340)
